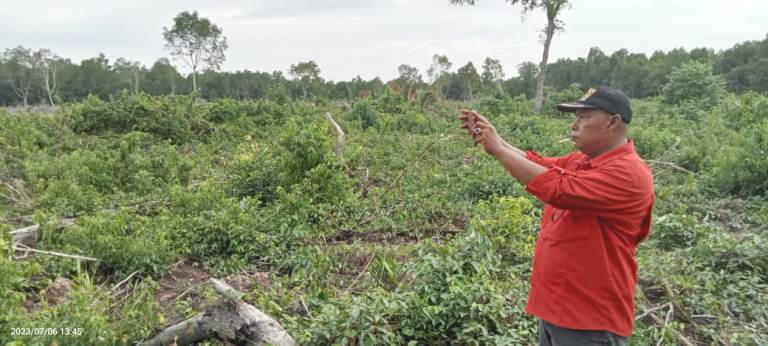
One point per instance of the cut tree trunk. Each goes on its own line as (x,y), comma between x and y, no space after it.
(340,140)
(232,321)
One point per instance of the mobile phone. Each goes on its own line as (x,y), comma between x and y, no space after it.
(471,121)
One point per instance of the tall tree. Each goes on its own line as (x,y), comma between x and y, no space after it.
(162,78)
(197,42)
(552,9)
(93,76)
(409,74)
(440,66)
(492,70)
(409,78)
(469,78)
(526,80)
(305,73)
(129,72)
(48,65)
(493,75)
(20,67)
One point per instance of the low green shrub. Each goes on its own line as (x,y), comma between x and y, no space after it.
(122,241)
(168,117)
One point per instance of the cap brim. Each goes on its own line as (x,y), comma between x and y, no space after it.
(573,107)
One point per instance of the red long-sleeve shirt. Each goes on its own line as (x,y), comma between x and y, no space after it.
(596,212)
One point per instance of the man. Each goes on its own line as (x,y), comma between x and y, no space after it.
(598,204)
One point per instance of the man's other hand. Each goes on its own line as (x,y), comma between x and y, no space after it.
(485,133)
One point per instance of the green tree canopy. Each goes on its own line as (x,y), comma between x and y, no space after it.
(694,82)
(19,71)
(305,73)
(440,66)
(196,41)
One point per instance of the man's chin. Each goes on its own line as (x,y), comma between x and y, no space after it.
(576,143)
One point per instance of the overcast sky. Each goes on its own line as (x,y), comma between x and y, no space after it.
(373,37)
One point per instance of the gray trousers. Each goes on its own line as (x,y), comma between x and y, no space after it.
(552,335)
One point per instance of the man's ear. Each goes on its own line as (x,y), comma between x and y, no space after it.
(614,121)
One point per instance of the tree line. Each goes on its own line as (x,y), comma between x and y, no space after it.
(40,76)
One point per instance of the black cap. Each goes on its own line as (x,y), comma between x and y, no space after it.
(611,100)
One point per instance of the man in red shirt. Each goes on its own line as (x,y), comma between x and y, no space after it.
(598,204)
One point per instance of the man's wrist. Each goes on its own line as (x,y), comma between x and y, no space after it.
(495,152)
(515,150)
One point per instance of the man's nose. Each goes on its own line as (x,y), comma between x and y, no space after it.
(573,125)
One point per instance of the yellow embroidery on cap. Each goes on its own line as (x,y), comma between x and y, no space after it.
(588,94)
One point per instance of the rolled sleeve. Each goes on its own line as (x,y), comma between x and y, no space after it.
(542,187)
(546,161)
(541,160)
(599,190)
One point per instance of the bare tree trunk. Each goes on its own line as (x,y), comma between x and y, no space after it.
(340,140)
(53,86)
(22,91)
(538,101)
(49,75)
(172,83)
(26,97)
(194,80)
(50,98)
(135,82)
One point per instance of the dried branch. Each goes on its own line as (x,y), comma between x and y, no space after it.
(669,150)
(650,311)
(682,338)
(667,319)
(670,164)
(686,317)
(421,156)
(363,271)
(124,280)
(26,249)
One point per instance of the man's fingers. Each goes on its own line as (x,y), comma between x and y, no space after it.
(480,128)
(466,127)
(483,126)
(467,112)
(481,119)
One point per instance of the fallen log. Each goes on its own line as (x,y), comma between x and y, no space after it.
(30,235)
(232,321)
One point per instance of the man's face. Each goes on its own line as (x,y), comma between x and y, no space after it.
(592,130)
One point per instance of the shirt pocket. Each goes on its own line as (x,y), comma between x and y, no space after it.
(564,225)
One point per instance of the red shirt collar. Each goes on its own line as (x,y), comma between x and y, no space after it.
(606,157)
